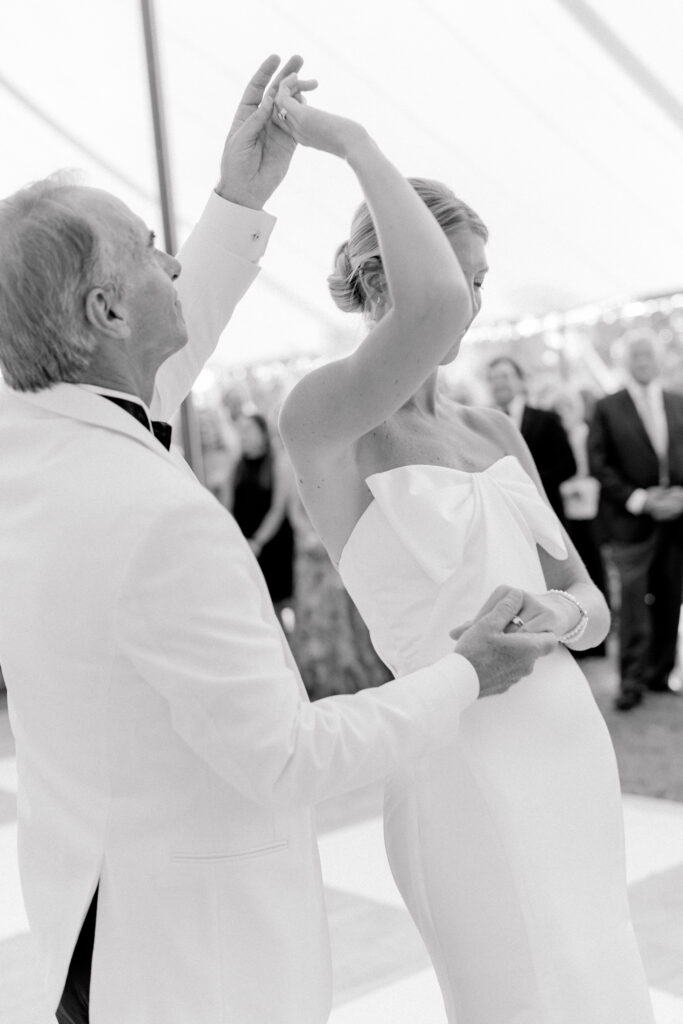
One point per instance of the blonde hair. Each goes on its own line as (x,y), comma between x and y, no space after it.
(361,252)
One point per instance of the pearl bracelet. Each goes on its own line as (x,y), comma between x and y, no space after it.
(577,631)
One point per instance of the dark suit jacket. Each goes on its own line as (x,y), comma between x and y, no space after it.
(622,458)
(550,449)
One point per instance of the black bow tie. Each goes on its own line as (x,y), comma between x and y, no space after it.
(162,431)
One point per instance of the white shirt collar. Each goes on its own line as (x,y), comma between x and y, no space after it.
(97,389)
(638,391)
(516,410)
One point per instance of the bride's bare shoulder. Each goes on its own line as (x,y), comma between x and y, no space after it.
(300,409)
(488,422)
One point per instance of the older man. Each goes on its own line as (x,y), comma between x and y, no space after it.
(168,757)
(635,447)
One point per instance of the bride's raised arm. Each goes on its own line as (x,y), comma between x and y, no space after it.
(419,278)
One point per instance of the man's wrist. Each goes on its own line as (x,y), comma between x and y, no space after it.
(233,228)
(238,196)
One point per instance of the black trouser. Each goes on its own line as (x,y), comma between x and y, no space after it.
(651,575)
(74,1006)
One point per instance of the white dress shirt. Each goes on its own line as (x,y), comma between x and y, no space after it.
(649,402)
(515,410)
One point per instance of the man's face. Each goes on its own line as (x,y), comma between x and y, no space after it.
(642,361)
(504,383)
(149,302)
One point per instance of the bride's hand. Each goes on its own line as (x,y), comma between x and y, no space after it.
(310,127)
(540,613)
(548,613)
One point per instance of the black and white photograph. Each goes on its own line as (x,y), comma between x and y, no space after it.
(341,512)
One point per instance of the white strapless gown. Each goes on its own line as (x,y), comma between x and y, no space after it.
(507,846)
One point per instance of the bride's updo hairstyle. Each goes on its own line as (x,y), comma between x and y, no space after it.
(361,254)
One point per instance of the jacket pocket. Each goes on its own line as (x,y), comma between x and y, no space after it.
(181,857)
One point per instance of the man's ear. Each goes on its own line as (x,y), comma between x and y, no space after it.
(106,312)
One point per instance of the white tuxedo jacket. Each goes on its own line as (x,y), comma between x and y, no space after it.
(166,748)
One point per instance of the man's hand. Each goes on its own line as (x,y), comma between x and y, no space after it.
(257,150)
(664,503)
(501,659)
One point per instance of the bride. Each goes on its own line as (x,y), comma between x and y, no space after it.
(507,846)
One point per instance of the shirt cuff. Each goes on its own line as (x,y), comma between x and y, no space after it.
(453,666)
(448,686)
(433,699)
(635,503)
(236,229)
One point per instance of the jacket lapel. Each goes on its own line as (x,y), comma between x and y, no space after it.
(673,420)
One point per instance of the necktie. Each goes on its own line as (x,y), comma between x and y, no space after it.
(162,431)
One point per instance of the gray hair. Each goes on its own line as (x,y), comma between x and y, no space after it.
(50,257)
(621,349)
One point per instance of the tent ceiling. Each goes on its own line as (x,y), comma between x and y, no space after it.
(538,123)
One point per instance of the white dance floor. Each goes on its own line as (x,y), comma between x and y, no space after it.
(382,972)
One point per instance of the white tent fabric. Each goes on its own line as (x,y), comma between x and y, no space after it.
(560,121)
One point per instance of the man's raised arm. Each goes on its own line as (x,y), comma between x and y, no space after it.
(220,258)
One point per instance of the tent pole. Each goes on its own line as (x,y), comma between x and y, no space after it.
(632,66)
(190,430)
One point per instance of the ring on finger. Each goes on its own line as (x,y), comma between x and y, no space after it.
(282,114)
(516,621)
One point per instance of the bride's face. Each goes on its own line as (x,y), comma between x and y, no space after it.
(470,249)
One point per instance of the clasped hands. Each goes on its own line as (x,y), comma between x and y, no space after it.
(258,149)
(511,631)
(271,119)
(537,613)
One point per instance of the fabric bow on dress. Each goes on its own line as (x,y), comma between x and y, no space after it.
(434,510)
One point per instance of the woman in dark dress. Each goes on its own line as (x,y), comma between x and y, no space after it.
(259,505)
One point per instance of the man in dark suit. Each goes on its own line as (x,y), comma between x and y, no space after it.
(635,448)
(541,429)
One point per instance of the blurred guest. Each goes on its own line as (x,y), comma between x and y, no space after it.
(580,494)
(220,450)
(260,495)
(540,428)
(236,400)
(636,451)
